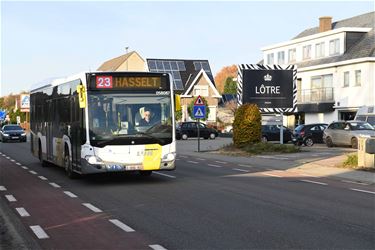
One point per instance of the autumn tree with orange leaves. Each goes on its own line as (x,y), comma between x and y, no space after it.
(223,74)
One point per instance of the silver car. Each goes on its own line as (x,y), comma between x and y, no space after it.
(346,133)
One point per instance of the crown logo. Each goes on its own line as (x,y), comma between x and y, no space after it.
(267,78)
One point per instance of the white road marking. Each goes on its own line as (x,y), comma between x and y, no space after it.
(22,212)
(10,198)
(54,185)
(12,160)
(200,159)
(315,182)
(19,164)
(121,225)
(70,194)
(2,188)
(166,175)
(354,182)
(39,232)
(272,175)
(33,172)
(363,191)
(157,247)
(183,156)
(215,166)
(42,177)
(92,207)
(241,170)
(25,167)
(194,162)
(7,157)
(223,162)
(246,166)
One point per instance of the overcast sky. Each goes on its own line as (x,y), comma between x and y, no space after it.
(47,39)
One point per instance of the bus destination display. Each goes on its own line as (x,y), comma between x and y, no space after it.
(127,82)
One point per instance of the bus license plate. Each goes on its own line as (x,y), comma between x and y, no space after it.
(134,167)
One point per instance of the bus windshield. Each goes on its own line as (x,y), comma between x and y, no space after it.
(124,119)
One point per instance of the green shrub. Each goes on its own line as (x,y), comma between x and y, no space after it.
(247,128)
(351,161)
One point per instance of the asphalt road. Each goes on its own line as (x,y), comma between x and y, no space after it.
(209,202)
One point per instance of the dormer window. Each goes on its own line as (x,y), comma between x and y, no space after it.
(319,50)
(306,52)
(334,47)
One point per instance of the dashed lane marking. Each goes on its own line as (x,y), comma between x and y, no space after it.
(222,162)
(12,160)
(7,157)
(123,226)
(363,191)
(2,188)
(10,198)
(54,185)
(215,166)
(33,172)
(194,162)
(92,207)
(39,232)
(166,175)
(241,170)
(354,182)
(24,167)
(42,177)
(246,166)
(22,212)
(157,247)
(200,159)
(70,194)
(315,182)
(19,164)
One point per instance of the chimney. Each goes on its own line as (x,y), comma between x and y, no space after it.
(325,23)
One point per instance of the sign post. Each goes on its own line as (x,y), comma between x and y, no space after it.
(199,112)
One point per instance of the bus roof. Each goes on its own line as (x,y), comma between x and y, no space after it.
(55,81)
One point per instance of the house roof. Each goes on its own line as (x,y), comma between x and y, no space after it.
(361,47)
(193,80)
(114,63)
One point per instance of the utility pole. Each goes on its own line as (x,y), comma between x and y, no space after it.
(126,49)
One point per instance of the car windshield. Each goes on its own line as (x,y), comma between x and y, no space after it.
(361,126)
(120,118)
(299,128)
(15,127)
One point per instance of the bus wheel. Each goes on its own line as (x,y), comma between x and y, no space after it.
(145,172)
(40,156)
(68,167)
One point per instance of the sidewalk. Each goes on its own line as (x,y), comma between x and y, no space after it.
(327,167)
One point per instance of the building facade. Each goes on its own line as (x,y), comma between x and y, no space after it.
(336,68)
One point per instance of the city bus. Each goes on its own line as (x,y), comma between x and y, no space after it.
(94,122)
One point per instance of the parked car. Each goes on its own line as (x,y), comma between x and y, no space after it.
(228,129)
(12,132)
(308,134)
(190,129)
(272,133)
(347,133)
(366,114)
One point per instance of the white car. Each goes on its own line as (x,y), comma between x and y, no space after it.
(228,129)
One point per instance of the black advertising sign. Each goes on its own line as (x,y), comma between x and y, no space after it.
(268,88)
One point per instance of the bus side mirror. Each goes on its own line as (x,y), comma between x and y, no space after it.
(81,96)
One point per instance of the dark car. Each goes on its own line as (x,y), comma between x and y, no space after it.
(12,133)
(190,129)
(308,134)
(272,133)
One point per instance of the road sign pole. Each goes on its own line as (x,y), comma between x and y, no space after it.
(199,142)
(282,129)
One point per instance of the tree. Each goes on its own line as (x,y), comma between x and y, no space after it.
(223,75)
(230,86)
(191,108)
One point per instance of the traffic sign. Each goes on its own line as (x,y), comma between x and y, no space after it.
(199,101)
(199,112)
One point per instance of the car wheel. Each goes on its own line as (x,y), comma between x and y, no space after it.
(354,143)
(212,136)
(329,142)
(145,172)
(309,142)
(264,138)
(184,136)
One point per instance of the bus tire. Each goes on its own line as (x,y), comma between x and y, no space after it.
(68,166)
(145,172)
(40,156)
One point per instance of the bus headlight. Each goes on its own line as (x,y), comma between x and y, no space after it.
(6,135)
(92,159)
(169,157)
(23,134)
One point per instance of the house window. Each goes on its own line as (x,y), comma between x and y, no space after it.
(281,57)
(319,50)
(292,55)
(321,88)
(200,90)
(334,47)
(306,52)
(270,58)
(346,79)
(357,78)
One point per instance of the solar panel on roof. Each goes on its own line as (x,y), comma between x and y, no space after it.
(179,84)
(174,65)
(159,65)
(152,64)
(181,66)
(167,65)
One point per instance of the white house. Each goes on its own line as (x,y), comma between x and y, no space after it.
(336,68)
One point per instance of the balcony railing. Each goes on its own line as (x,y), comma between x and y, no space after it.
(315,95)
